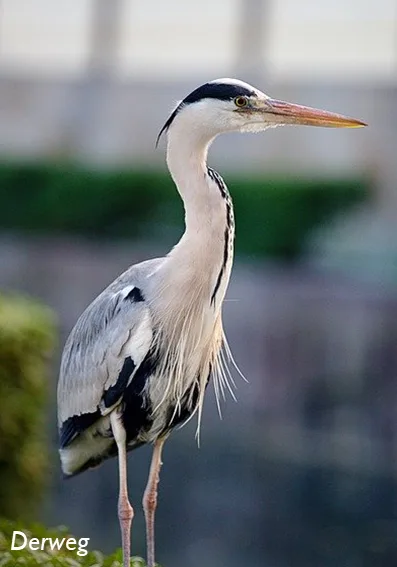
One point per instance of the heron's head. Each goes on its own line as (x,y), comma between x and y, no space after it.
(230,105)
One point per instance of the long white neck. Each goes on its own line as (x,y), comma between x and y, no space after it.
(191,283)
(206,248)
(202,199)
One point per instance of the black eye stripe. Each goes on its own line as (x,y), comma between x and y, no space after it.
(220,91)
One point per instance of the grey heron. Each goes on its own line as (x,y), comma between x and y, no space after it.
(139,358)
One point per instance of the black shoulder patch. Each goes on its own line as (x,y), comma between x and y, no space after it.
(137,408)
(113,394)
(135,295)
(75,425)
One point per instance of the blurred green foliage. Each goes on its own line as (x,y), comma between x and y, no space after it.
(273,215)
(26,338)
(48,557)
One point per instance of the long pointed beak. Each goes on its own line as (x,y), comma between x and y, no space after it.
(288,113)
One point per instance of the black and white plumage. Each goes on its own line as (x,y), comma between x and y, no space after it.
(139,359)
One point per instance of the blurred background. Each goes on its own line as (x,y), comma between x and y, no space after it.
(302,470)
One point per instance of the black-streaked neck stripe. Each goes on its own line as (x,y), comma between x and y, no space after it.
(229,228)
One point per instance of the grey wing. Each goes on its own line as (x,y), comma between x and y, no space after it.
(101,355)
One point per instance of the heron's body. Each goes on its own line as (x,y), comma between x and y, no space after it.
(147,346)
(138,361)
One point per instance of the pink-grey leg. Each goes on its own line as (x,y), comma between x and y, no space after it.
(150,499)
(125,510)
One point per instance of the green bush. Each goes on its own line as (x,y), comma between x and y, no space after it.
(26,337)
(48,557)
(273,215)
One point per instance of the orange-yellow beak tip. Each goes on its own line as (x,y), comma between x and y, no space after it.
(290,113)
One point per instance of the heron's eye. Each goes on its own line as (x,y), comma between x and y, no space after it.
(241,101)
